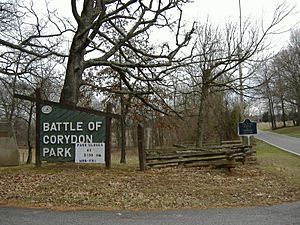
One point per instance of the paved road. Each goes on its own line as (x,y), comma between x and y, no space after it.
(285,214)
(290,144)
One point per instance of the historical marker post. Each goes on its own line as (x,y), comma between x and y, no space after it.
(247,128)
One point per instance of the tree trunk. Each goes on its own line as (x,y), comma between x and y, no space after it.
(75,67)
(298,111)
(123,132)
(29,145)
(283,112)
(201,112)
(200,122)
(272,114)
(70,92)
(271,107)
(12,110)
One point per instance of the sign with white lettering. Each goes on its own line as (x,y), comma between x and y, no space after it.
(90,153)
(62,128)
(247,128)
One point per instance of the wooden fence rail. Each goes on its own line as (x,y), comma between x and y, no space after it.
(226,155)
(217,157)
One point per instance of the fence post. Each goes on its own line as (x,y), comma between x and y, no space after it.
(108,137)
(141,149)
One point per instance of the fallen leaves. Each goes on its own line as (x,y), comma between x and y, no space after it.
(67,187)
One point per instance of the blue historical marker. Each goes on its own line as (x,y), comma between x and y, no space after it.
(247,128)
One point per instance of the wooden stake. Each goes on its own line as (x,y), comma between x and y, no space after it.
(141,149)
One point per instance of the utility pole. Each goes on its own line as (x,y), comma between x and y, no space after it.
(240,65)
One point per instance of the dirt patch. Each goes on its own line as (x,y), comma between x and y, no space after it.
(70,187)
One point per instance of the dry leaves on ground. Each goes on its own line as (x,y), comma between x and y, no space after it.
(71,187)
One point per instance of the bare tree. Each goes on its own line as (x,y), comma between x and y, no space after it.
(266,91)
(112,27)
(38,35)
(287,65)
(31,49)
(219,53)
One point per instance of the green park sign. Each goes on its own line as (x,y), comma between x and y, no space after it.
(67,133)
(63,131)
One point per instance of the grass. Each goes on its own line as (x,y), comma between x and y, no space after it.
(274,179)
(276,161)
(290,131)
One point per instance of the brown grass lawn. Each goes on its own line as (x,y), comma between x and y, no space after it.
(273,179)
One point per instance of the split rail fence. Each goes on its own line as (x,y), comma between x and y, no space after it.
(227,155)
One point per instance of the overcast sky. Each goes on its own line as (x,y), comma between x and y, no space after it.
(220,11)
